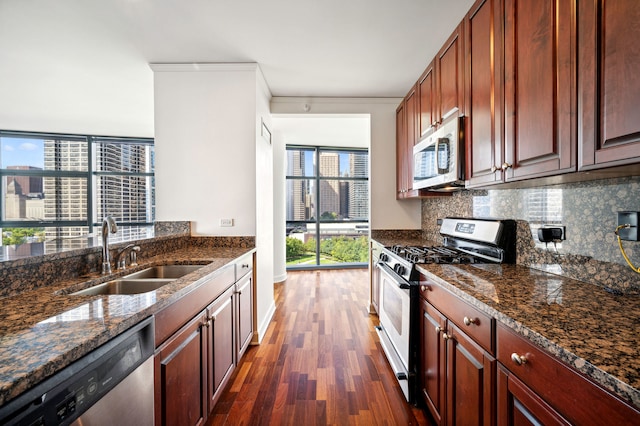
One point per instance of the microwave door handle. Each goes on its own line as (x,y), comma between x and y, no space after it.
(445,142)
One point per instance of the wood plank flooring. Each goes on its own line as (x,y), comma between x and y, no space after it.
(320,362)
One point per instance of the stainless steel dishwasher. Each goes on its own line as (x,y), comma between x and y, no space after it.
(111,385)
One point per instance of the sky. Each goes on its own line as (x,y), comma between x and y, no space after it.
(21,152)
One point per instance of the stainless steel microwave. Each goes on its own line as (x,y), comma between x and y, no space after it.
(438,160)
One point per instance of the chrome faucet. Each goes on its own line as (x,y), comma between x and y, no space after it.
(121,261)
(108,226)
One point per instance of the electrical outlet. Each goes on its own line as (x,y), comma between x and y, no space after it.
(552,233)
(631,219)
(226,222)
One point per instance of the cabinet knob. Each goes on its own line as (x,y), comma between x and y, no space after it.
(434,124)
(424,288)
(468,321)
(438,329)
(505,166)
(518,359)
(244,265)
(207,323)
(446,336)
(494,169)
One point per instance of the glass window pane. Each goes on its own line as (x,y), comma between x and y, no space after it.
(344,164)
(28,153)
(343,243)
(125,198)
(124,157)
(301,244)
(301,199)
(343,199)
(44,198)
(300,162)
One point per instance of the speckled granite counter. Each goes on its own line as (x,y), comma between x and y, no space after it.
(595,332)
(44,329)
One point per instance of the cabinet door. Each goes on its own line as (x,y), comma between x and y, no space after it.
(180,377)
(220,344)
(483,100)
(411,111)
(244,314)
(433,360)
(471,377)
(426,97)
(450,76)
(539,88)
(609,87)
(520,406)
(401,149)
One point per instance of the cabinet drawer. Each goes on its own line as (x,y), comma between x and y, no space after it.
(574,396)
(244,265)
(476,324)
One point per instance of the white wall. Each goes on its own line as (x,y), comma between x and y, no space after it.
(385,211)
(263,184)
(212,162)
(205,166)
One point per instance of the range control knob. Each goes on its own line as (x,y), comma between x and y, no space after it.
(383,257)
(399,269)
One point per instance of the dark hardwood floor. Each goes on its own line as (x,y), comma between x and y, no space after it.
(320,362)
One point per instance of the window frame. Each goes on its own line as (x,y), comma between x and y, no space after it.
(89,174)
(316,178)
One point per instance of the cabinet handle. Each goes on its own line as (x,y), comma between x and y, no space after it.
(446,336)
(494,169)
(438,329)
(244,265)
(207,323)
(468,321)
(505,166)
(424,288)
(238,291)
(434,124)
(518,359)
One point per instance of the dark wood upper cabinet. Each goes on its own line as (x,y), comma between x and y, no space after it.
(449,63)
(609,87)
(539,59)
(483,97)
(441,85)
(426,95)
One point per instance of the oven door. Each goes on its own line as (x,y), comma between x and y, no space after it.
(394,314)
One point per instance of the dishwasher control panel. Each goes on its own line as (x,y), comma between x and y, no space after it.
(63,397)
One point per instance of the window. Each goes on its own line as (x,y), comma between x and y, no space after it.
(57,187)
(327,207)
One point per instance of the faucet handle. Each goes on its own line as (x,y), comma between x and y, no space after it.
(133,256)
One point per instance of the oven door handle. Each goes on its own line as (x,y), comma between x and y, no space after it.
(392,356)
(401,282)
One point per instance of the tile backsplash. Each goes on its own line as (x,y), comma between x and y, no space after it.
(588,210)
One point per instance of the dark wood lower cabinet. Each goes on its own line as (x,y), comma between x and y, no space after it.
(433,360)
(471,379)
(520,406)
(220,344)
(458,376)
(194,363)
(244,314)
(180,377)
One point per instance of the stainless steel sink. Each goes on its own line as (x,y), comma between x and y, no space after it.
(124,286)
(164,271)
(140,282)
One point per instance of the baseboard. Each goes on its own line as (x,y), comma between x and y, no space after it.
(262,328)
(280,278)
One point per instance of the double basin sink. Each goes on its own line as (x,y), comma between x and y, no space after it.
(140,282)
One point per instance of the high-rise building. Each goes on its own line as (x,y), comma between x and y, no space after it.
(329,166)
(297,189)
(359,193)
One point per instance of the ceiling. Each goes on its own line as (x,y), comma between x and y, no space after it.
(97,52)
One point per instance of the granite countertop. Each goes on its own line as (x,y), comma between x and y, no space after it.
(595,332)
(44,330)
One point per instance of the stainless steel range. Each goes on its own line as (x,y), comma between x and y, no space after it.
(466,241)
